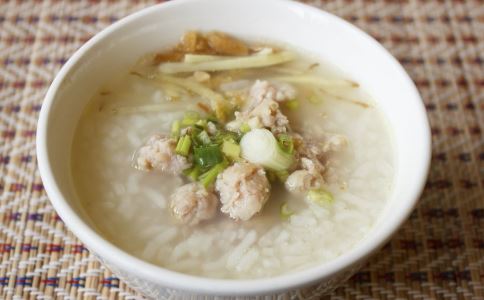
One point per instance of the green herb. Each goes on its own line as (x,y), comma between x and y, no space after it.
(222,136)
(286,143)
(207,156)
(175,129)
(198,127)
(259,146)
(192,173)
(231,150)
(209,177)
(183,145)
(285,212)
(204,138)
(202,123)
(292,104)
(320,197)
(193,131)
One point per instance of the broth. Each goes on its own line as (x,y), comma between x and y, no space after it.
(131,208)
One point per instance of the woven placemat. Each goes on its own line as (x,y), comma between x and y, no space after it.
(439,252)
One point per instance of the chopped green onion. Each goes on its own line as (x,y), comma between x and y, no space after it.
(183,145)
(320,197)
(191,118)
(204,138)
(192,173)
(244,128)
(207,156)
(285,211)
(286,143)
(175,129)
(231,150)
(199,128)
(209,177)
(202,123)
(222,136)
(193,131)
(259,146)
(292,104)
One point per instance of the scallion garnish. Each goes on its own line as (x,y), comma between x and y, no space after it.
(231,150)
(207,156)
(209,177)
(222,136)
(203,137)
(259,146)
(192,173)
(183,145)
(175,129)
(286,143)
(202,123)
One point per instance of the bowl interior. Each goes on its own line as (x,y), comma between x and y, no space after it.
(311,30)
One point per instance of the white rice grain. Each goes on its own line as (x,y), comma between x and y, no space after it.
(302,221)
(247,261)
(132,186)
(126,210)
(156,198)
(240,249)
(282,237)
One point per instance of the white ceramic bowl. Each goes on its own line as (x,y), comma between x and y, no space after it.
(332,39)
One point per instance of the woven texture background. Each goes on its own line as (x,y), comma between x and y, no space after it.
(438,254)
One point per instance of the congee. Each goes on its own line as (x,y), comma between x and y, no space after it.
(228,159)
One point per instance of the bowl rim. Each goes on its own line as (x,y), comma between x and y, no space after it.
(204,285)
